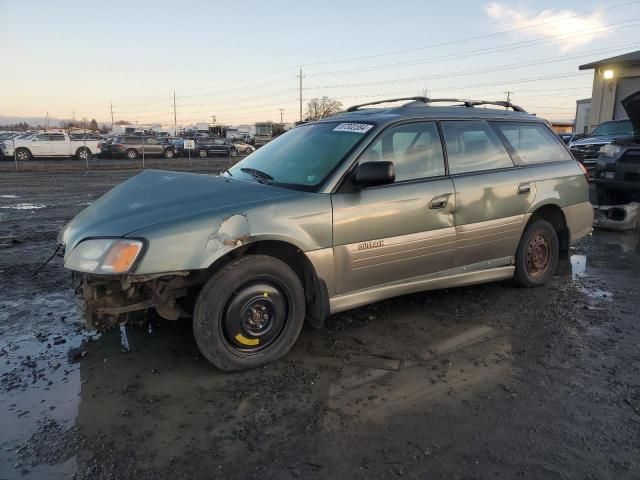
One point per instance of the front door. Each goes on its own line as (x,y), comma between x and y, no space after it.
(41,145)
(492,195)
(393,232)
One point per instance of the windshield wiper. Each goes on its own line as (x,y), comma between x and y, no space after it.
(226,171)
(259,175)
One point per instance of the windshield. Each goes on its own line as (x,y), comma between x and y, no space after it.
(304,156)
(614,128)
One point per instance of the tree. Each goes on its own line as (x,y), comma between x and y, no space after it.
(93,125)
(318,108)
(104,128)
(123,122)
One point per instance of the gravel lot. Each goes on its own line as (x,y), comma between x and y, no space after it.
(491,381)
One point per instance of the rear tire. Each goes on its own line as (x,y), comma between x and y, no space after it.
(537,254)
(132,154)
(202,153)
(168,153)
(83,154)
(249,313)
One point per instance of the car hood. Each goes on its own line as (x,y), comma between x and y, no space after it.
(631,105)
(156,196)
(600,139)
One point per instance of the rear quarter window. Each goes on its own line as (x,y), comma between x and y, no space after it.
(532,143)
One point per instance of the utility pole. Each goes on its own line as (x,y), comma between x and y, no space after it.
(508,97)
(111,108)
(300,76)
(281,114)
(46,122)
(175,117)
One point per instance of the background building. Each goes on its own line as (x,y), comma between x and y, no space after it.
(583,111)
(614,79)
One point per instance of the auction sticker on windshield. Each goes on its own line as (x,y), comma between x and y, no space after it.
(353,127)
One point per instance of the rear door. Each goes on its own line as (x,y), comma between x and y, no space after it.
(492,195)
(220,147)
(58,145)
(152,146)
(395,232)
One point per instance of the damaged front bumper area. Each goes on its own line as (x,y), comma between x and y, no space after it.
(106,301)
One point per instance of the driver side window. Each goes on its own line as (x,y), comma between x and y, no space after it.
(414,149)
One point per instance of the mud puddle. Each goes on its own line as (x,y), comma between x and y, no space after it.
(489,381)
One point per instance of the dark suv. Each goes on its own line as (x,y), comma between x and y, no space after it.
(617,171)
(587,150)
(133,147)
(215,146)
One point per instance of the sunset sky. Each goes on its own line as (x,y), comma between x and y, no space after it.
(239,60)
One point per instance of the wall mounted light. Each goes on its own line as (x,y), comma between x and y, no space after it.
(608,74)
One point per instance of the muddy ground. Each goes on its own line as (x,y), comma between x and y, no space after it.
(482,382)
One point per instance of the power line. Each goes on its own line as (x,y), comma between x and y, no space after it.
(441,44)
(481,51)
(469,39)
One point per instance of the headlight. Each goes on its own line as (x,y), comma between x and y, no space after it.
(610,150)
(104,256)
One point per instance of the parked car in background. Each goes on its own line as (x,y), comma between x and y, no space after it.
(617,170)
(106,148)
(587,150)
(133,147)
(50,144)
(215,146)
(332,215)
(85,136)
(567,138)
(243,147)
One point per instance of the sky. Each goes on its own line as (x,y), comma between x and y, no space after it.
(239,61)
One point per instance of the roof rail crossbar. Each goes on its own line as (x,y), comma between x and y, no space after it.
(499,103)
(427,100)
(475,103)
(353,108)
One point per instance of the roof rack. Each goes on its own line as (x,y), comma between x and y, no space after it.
(427,100)
(353,108)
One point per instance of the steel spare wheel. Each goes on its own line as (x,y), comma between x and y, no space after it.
(255,316)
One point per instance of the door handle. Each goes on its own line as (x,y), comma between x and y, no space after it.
(439,202)
(524,189)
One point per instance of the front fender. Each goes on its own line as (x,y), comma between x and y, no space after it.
(195,243)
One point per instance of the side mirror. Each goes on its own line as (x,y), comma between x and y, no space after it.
(371,174)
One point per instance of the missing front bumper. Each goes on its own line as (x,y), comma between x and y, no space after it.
(108,301)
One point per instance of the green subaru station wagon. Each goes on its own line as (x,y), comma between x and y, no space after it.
(368,204)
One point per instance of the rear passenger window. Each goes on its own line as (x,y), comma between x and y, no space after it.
(533,143)
(56,137)
(414,149)
(472,146)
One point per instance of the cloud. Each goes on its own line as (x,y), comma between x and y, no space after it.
(573,31)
